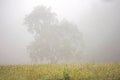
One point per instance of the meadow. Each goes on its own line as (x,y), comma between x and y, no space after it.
(89,71)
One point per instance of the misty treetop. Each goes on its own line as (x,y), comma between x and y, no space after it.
(54,40)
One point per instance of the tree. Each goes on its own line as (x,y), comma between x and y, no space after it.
(54,40)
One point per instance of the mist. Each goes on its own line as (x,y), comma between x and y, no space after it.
(98,20)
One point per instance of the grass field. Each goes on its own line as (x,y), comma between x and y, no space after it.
(61,72)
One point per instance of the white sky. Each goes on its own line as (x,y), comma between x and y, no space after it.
(97,19)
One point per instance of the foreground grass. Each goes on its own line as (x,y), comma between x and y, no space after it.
(61,72)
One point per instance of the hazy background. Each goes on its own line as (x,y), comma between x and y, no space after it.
(98,20)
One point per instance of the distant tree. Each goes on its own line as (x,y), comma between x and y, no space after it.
(54,40)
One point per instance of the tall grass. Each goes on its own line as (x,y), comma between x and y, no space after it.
(61,72)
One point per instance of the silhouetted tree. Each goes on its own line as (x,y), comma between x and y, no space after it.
(54,40)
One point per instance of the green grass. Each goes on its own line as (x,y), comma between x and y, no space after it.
(61,72)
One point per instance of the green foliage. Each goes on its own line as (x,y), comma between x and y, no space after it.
(66,75)
(61,72)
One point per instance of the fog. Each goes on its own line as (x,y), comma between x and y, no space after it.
(98,20)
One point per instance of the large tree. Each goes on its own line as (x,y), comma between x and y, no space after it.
(54,40)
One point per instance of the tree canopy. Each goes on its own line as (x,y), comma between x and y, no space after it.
(54,40)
